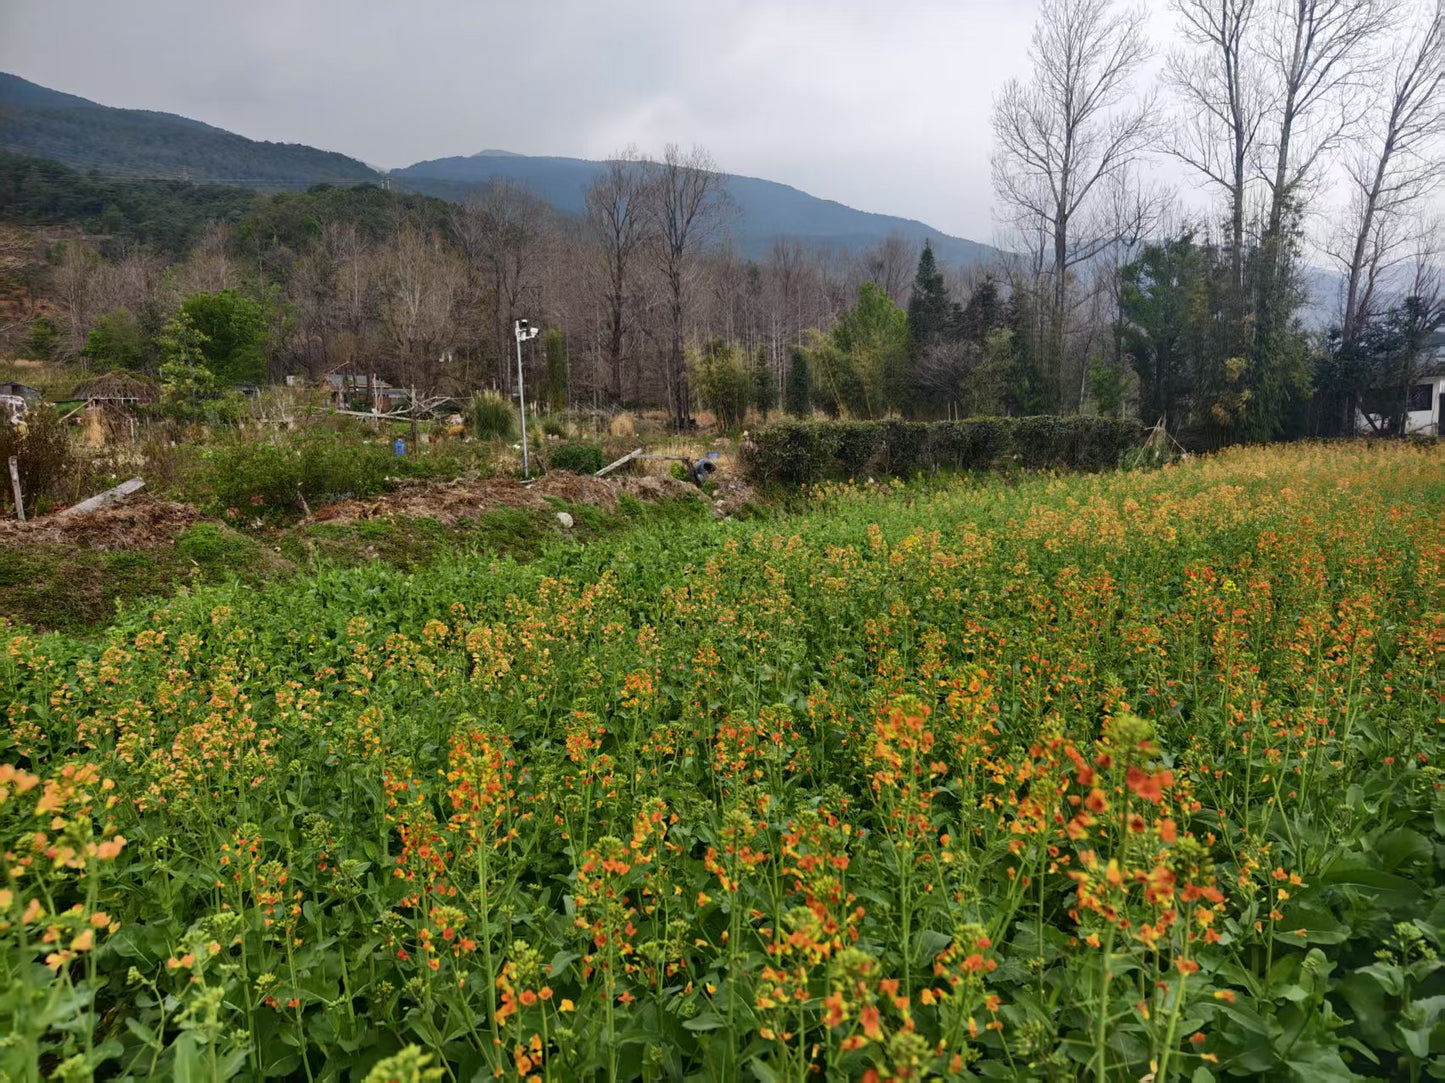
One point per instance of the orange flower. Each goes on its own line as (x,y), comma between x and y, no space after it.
(870,1018)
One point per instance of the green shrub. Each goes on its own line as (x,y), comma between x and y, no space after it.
(42,338)
(905,448)
(275,476)
(853,445)
(723,381)
(803,452)
(49,469)
(578,458)
(216,547)
(493,417)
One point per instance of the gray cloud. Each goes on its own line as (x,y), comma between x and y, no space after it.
(884,108)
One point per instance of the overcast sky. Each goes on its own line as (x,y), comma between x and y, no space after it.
(884,107)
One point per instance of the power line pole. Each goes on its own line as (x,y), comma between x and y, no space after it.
(523,330)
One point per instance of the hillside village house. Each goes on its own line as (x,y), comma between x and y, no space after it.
(358,391)
(1426,397)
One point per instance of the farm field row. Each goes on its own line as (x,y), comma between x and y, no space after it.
(1111,776)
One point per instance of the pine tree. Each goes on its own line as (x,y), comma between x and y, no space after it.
(983,313)
(798,395)
(929,311)
(765,388)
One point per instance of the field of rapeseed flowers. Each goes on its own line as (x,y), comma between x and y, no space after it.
(1117,777)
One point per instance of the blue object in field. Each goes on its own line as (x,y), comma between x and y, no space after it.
(399,448)
(712,454)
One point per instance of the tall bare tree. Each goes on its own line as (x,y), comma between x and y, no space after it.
(1317,53)
(1066,131)
(890,264)
(1399,161)
(1221,89)
(504,232)
(687,202)
(615,225)
(423,281)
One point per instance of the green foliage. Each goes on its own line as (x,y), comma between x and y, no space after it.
(190,391)
(493,417)
(164,215)
(48,124)
(1164,300)
(987,389)
(800,453)
(932,317)
(861,367)
(41,338)
(233,334)
(723,382)
(49,468)
(293,220)
(959,766)
(117,341)
(1375,373)
(554,380)
(765,384)
(256,478)
(576,457)
(798,392)
(1216,358)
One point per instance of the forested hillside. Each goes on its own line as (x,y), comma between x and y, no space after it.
(165,215)
(38,121)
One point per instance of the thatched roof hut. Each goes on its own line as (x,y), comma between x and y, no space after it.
(117,389)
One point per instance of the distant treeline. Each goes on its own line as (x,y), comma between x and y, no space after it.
(165,215)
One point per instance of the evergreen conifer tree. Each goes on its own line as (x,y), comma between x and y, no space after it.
(929,311)
(765,388)
(798,394)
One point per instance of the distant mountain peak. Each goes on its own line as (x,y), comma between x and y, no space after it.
(768,210)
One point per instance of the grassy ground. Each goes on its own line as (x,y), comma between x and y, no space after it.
(79,591)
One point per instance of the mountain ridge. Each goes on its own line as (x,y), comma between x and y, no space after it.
(78,132)
(41,122)
(769,209)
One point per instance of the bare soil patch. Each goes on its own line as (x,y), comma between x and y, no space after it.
(136,524)
(453,502)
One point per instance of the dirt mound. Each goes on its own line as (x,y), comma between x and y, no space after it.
(133,525)
(452,502)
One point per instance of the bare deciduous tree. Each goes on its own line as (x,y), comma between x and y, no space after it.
(615,226)
(504,231)
(890,264)
(1317,56)
(423,282)
(1399,160)
(687,202)
(1221,89)
(1070,128)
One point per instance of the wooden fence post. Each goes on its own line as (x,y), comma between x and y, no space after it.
(15,485)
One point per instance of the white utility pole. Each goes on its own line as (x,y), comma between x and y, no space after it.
(523,331)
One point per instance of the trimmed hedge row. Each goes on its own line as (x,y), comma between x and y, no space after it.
(803,452)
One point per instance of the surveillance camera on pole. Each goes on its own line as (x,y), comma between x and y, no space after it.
(523,330)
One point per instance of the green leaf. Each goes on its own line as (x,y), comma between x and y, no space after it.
(1403,847)
(704,1022)
(143,1032)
